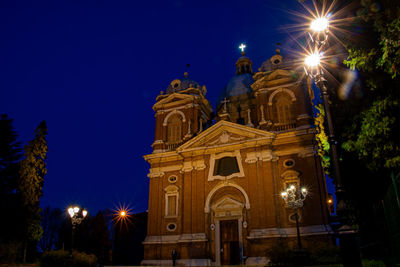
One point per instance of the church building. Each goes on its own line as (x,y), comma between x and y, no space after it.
(216,176)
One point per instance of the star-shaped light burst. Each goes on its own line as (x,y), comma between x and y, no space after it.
(319,24)
(313,60)
(122,214)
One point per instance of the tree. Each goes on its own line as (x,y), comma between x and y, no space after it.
(373,133)
(368,125)
(367,120)
(100,243)
(51,224)
(10,155)
(32,172)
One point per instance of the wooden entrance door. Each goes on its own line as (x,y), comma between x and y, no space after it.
(229,242)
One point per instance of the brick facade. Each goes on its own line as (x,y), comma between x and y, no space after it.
(270,152)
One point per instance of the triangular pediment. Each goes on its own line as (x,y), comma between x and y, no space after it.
(227,203)
(226,133)
(172,98)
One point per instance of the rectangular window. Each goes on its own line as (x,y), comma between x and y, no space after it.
(171,206)
(226,166)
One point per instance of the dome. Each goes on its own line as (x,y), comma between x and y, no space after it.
(181,84)
(238,85)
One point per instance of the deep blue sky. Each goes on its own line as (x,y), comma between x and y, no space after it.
(92,70)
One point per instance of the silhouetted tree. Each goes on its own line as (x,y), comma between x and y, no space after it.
(100,243)
(128,238)
(51,223)
(64,234)
(10,154)
(32,172)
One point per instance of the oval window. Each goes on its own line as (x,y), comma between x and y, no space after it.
(172,179)
(288,163)
(171,227)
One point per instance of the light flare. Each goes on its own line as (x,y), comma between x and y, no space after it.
(313,59)
(71,212)
(319,24)
(122,215)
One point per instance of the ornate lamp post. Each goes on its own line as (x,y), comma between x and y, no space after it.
(294,198)
(77,215)
(318,36)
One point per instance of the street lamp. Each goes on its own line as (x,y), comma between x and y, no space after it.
(294,198)
(314,71)
(77,215)
(318,34)
(319,30)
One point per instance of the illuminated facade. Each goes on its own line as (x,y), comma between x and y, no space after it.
(215,188)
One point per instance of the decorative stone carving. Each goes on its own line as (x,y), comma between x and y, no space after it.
(277,77)
(187,167)
(200,125)
(307,152)
(224,138)
(157,142)
(189,132)
(264,155)
(199,165)
(280,90)
(249,123)
(262,121)
(155,174)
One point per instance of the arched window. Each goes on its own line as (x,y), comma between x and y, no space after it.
(283,109)
(174,128)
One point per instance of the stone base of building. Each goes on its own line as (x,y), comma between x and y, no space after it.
(256,246)
(257,261)
(180,262)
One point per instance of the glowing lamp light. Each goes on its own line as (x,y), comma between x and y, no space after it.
(84,213)
(71,212)
(284,194)
(123,213)
(304,190)
(292,187)
(313,60)
(319,24)
(76,209)
(329,201)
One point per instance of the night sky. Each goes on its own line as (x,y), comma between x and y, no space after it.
(92,70)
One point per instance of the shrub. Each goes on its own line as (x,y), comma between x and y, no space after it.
(9,252)
(372,263)
(280,254)
(61,258)
(322,254)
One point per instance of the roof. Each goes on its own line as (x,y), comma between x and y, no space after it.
(181,84)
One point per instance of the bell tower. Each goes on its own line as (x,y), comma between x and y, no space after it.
(181,113)
(281,96)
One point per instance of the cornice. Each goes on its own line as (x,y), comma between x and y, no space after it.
(268,89)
